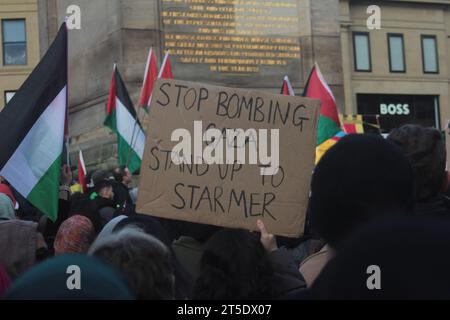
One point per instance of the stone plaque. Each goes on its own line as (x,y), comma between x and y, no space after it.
(243,43)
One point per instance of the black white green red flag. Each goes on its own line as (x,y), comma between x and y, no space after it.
(32,130)
(121,118)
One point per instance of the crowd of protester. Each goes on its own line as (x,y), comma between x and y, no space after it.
(373,202)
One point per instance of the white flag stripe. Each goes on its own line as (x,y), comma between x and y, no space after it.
(39,149)
(82,162)
(289,85)
(324,83)
(149,101)
(147,66)
(163,65)
(126,125)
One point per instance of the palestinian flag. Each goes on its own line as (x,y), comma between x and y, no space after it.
(121,118)
(166,69)
(360,123)
(151,73)
(324,146)
(317,88)
(82,172)
(32,127)
(286,88)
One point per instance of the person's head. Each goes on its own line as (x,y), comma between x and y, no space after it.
(426,150)
(6,189)
(359,179)
(7,202)
(104,189)
(122,175)
(234,265)
(405,257)
(152,226)
(108,228)
(60,277)
(22,246)
(100,175)
(141,258)
(75,235)
(6,208)
(80,203)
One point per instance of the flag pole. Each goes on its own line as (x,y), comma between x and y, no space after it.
(160,73)
(133,140)
(66,122)
(135,133)
(138,112)
(130,148)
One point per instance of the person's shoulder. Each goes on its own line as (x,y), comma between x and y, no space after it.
(437,207)
(120,185)
(322,254)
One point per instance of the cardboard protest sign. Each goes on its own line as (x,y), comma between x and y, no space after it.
(237,156)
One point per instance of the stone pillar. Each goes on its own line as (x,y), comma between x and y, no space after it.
(326,45)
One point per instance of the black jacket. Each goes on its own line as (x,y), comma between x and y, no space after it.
(437,207)
(122,195)
(106,208)
(288,278)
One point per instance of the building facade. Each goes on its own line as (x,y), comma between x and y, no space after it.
(122,31)
(399,71)
(19,52)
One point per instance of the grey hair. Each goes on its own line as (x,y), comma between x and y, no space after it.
(127,233)
(143,260)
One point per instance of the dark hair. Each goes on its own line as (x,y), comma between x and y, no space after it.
(105,183)
(234,265)
(119,173)
(142,259)
(100,175)
(426,150)
(360,178)
(81,204)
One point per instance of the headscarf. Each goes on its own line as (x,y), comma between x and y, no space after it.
(75,235)
(18,244)
(360,178)
(50,280)
(7,190)
(6,208)
(109,227)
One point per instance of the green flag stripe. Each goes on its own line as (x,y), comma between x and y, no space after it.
(110,121)
(45,193)
(127,154)
(326,129)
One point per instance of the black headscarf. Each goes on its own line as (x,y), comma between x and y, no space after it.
(359,179)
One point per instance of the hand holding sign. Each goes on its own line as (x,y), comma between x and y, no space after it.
(268,240)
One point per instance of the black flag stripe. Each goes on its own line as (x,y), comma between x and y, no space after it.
(34,96)
(123,96)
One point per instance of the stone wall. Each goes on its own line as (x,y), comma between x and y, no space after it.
(122,31)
